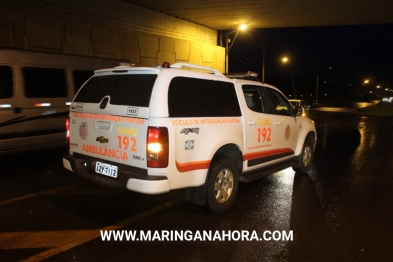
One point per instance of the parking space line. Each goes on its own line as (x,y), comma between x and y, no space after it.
(42,193)
(63,240)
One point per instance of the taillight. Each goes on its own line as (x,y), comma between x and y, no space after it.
(68,131)
(157,147)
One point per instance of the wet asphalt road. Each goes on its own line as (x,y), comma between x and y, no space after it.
(341,211)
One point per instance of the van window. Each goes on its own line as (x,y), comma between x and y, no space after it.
(191,97)
(80,77)
(44,82)
(131,90)
(6,89)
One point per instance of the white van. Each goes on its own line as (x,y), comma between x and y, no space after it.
(36,90)
(152,130)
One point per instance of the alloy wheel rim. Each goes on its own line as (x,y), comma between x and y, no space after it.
(307,156)
(223,185)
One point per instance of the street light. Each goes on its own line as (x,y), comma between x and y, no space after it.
(286,59)
(228,47)
(366,81)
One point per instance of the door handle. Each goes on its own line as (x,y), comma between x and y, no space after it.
(277,123)
(252,123)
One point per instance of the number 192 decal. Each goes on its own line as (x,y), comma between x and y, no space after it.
(264,134)
(126,141)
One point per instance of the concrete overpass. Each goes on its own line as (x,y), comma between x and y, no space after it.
(229,14)
(148,32)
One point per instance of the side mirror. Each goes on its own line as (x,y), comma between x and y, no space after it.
(298,110)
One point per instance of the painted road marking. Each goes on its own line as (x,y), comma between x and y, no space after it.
(63,240)
(42,193)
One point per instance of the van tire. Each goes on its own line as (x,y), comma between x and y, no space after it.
(222,185)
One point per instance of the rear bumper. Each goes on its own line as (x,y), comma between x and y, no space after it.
(131,178)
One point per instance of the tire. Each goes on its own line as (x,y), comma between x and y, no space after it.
(222,185)
(305,158)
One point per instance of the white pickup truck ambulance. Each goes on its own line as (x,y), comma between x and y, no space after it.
(152,130)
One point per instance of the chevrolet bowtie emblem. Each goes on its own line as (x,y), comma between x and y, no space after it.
(102,139)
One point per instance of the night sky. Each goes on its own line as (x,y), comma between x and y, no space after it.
(343,55)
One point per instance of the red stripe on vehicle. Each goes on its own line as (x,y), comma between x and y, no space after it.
(266,153)
(191,166)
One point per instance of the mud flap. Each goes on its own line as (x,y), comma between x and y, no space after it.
(196,195)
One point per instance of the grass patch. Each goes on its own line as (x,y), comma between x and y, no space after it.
(380,109)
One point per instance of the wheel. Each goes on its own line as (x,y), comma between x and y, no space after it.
(305,158)
(222,185)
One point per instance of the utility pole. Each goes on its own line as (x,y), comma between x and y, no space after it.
(316,88)
(263,64)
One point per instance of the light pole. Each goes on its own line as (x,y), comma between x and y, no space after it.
(263,64)
(316,87)
(228,47)
(286,59)
(364,90)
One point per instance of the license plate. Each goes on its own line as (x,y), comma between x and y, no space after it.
(105,169)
